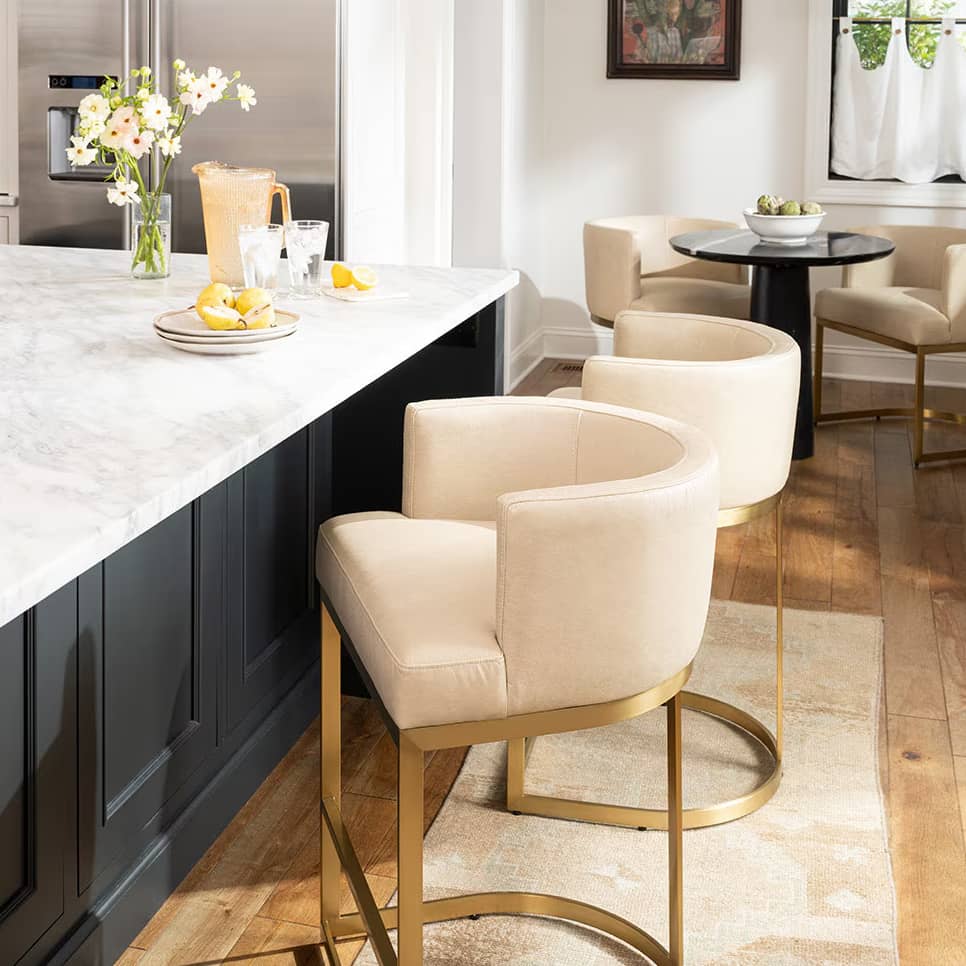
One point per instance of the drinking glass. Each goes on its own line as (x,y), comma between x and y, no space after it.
(261,249)
(305,243)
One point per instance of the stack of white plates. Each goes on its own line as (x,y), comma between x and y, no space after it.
(183,330)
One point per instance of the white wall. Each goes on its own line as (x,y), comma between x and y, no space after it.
(573,145)
(397,131)
(498,156)
(702,148)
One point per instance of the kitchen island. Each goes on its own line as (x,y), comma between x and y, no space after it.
(158,625)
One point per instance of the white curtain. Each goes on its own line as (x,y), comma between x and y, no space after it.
(899,120)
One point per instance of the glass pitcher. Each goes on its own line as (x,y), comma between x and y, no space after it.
(230,197)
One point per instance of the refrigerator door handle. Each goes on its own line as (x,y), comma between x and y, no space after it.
(154,62)
(125,74)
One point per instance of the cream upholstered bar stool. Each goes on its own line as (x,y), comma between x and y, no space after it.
(474,616)
(738,382)
(914,300)
(629,264)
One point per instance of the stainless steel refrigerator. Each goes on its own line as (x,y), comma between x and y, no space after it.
(288,50)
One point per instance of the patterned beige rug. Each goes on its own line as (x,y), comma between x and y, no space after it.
(805,881)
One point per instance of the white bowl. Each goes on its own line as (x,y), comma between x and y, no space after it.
(783,229)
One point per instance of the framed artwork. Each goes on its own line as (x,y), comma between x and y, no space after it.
(674,39)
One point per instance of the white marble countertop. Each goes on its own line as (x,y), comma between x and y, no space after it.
(106,430)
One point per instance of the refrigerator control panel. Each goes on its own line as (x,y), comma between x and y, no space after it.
(75,82)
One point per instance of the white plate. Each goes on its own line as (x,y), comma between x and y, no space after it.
(218,348)
(354,295)
(186,322)
(228,338)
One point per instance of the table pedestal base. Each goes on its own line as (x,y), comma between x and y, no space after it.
(781,297)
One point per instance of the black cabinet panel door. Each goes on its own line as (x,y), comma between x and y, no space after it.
(146,680)
(36,722)
(272,631)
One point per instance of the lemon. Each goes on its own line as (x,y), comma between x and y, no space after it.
(260,317)
(341,275)
(217,294)
(220,317)
(364,278)
(252,298)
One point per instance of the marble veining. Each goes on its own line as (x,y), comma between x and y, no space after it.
(107,431)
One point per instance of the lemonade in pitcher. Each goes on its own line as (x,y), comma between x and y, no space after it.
(232,197)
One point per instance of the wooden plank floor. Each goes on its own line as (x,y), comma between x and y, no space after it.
(865,533)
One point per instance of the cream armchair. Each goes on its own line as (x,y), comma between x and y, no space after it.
(914,300)
(550,571)
(737,382)
(629,264)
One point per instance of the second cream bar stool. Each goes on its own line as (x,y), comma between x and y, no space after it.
(474,616)
(738,382)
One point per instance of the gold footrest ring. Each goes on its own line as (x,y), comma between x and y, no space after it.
(517,904)
(518,800)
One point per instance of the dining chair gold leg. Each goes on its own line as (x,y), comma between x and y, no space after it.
(675,843)
(819,365)
(410,851)
(919,418)
(779,629)
(330,768)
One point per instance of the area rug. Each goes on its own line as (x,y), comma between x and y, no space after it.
(806,881)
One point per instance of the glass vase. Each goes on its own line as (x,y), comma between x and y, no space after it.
(151,237)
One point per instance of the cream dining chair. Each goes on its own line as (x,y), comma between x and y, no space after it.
(474,616)
(629,264)
(914,300)
(738,383)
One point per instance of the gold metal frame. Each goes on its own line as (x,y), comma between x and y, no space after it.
(337,853)
(918,413)
(519,801)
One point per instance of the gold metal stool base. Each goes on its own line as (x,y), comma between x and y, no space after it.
(545,806)
(518,800)
(352,927)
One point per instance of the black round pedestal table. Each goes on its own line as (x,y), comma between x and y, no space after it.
(780,291)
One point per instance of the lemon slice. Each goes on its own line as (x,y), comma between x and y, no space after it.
(341,275)
(364,278)
(220,317)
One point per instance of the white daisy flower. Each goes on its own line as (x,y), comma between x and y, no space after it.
(123,117)
(186,78)
(170,146)
(197,96)
(138,143)
(113,135)
(217,83)
(156,111)
(123,193)
(94,106)
(79,153)
(246,96)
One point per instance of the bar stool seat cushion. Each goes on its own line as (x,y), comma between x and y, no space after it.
(913,315)
(694,296)
(416,598)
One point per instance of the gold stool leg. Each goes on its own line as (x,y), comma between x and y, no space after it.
(330,768)
(919,417)
(819,366)
(779,631)
(675,839)
(410,832)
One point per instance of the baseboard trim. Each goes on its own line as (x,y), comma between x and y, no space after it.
(120,914)
(525,358)
(870,363)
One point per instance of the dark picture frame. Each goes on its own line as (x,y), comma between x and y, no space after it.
(676,33)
